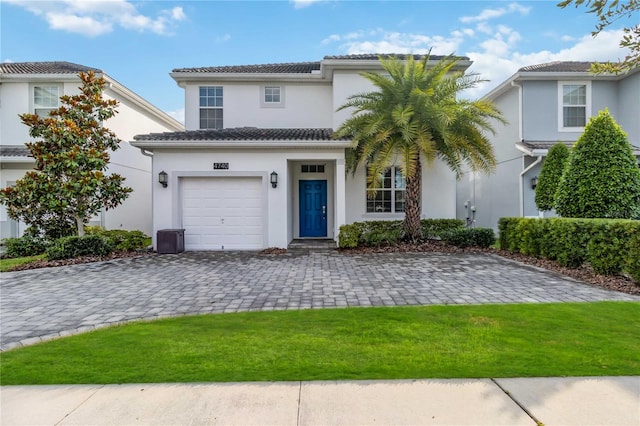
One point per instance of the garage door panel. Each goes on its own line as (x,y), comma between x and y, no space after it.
(223,213)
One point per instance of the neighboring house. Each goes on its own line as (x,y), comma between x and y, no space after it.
(35,87)
(247,126)
(544,104)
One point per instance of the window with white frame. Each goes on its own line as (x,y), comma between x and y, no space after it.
(272,94)
(574,105)
(389,193)
(211,112)
(45,99)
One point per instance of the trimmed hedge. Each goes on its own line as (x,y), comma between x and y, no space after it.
(70,247)
(470,237)
(610,246)
(121,239)
(376,233)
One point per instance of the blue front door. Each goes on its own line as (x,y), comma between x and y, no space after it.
(313,208)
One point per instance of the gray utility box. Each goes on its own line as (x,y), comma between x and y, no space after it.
(170,241)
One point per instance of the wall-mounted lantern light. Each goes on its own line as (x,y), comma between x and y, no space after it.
(534,182)
(274,179)
(163,178)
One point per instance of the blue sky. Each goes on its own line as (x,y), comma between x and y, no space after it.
(139,42)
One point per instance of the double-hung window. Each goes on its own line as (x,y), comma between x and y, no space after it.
(574,105)
(389,193)
(45,99)
(211,112)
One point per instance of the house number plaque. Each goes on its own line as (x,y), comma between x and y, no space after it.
(220,166)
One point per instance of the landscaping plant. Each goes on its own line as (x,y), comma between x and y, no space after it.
(602,178)
(71,153)
(550,175)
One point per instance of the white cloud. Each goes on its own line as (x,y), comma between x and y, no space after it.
(494,63)
(177,114)
(299,4)
(223,38)
(379,41)
(96,17)
(488,14)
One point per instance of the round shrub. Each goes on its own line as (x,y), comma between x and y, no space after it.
(88,245)
(27,245)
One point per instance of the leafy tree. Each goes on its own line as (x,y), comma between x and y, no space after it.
(414,114)
(608,12)
(602,178)
(550,176)
(69,184)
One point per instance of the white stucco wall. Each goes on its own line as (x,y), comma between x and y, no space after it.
(304,105)
(131,119)
(498,194)
(345,84)
(281,202)
(438,195)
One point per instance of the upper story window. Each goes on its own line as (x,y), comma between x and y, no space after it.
(272,94)
(574,105)
(390,192)
(45,99)
(211,112)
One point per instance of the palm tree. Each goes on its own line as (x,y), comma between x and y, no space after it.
(414,114)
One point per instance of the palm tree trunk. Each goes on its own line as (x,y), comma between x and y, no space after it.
(412,206)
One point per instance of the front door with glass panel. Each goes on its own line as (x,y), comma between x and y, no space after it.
(313,208)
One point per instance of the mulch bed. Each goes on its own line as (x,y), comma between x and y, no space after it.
(583,273)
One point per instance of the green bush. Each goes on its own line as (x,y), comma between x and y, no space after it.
(375,233)
(602,179)
(349,236)
(611,246)
(121,239)
(606,250)
(70,247)
(434,228)
(632,263)
(507,233)
(27,245)
(470,237)
(550,175)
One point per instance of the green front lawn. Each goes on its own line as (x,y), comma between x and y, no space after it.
(7,264)
(524,340)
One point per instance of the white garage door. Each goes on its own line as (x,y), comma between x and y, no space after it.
(222,213)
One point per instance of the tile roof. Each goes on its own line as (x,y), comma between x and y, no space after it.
(44,68)
(14,151)
(558,66)
(375,56)
(296,67)
(242,134)
(540,145)
(286,68)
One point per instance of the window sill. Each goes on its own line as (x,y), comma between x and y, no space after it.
(383,216)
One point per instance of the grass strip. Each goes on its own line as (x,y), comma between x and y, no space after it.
(520,340)
(7,264)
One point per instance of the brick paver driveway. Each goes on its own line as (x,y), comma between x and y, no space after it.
(45,303)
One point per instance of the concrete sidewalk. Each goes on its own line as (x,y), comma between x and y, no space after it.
(551,401)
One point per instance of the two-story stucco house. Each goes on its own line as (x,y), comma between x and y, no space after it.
(258,165)
(36,87)
(544,104)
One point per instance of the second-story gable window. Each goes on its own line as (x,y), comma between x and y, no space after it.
(45,99)
(574,105)
(272,94)
(211,112)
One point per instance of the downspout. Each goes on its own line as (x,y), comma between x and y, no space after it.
(524,172)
